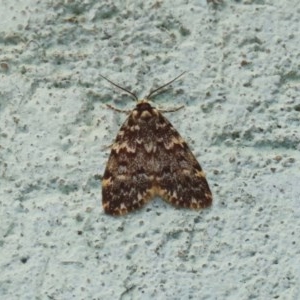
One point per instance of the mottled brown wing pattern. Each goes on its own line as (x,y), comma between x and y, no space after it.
(149,158)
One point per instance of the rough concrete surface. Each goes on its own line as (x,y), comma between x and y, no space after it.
(241,117)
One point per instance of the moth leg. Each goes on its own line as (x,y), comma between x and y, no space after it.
(117,109)
(171,109)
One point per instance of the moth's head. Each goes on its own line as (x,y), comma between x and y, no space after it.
(144,110)
(143,105)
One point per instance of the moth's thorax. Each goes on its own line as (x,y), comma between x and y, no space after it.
(144,111)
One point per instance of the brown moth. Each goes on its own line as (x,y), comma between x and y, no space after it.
(149,158)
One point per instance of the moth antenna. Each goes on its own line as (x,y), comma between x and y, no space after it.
(166,84)
(120,87)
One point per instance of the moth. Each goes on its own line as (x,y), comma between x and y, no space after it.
(149,158)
